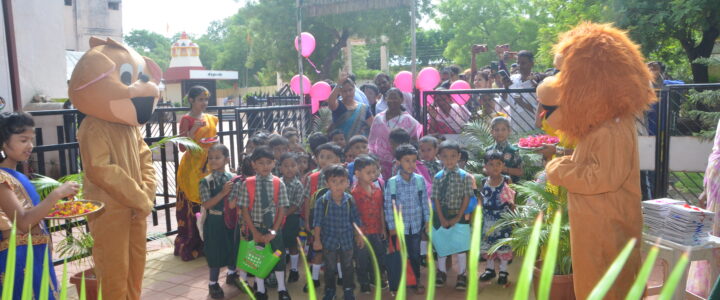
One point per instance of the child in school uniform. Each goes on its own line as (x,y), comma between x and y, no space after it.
(369,200)
(408,192)
(358,145)
(451,194)
(289,170)
(501,130)
(334,215)
(279,146)
(264,217)
(326,155)
(220,245)
(497,198)
(428,154)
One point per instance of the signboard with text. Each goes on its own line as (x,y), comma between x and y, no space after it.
(212,74)
(315,8)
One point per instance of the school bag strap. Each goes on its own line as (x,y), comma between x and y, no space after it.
(251,185)
(327,197)
(392,185)
(231,215)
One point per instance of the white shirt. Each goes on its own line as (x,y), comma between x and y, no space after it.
(521,120)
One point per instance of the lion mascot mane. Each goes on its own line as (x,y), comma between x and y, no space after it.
(116,88)
(602,87)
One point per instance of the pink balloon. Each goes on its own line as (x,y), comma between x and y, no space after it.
(295,84)
(403,81)
(428,79)
(320,91)
(308,44)
(430,99)
(460,99)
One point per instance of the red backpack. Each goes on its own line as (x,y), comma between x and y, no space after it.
(251,184)
(231,215)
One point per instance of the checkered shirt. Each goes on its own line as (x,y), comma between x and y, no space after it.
(451,190)
(336,223)
(210,182)
(415,212)
(295,191)
(259,209)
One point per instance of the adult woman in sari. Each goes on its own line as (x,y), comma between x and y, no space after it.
(19,198)
(386,121)
(198,126)
(351,117)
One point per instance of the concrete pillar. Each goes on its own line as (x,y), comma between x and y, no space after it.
(348,57)
(384,55)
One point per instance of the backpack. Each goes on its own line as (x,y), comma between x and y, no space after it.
(392,185)
(251,184)
(472,203)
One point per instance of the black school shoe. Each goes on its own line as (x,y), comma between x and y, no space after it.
(315,282)
(234,280)
(293,276)
(261,296)
(339,281)
(461,283)
(440,278)
(284,295)
(365,288)
(423,261)
(216,291)
(487,275)
(503,278)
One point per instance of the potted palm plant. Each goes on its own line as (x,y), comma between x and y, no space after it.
(534,199)
(78,242)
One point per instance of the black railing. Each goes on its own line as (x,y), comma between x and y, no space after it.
(235,125)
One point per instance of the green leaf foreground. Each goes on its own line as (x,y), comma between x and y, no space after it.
(677,273)
(474,255)
(376,267)
(184,141)
(522,291)
(638,288)
(430,287)
(606,282)
(308,274)
(45,279)
(400,230)
(548,266)
(9,281)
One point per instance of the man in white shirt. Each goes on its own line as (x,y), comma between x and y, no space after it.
(383,82)
(522,106)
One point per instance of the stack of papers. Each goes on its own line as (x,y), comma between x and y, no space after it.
(655,213)
(688,225)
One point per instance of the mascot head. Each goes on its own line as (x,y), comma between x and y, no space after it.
(602,76)
(114,83)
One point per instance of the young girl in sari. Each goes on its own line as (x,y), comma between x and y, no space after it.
(351,117)
(19,198)
(197,125)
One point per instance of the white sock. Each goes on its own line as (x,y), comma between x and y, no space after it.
(490,264)
(316,271)
(230,272)
(260,284)
(294,262)
(243,275)
(339,271)
(461,263)
(212,282)
(423,247)
(503,265)
(280,275)
(441,264)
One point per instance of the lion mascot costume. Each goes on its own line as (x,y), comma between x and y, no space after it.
(116,88)
(603,85)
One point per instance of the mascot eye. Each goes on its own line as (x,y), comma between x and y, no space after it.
(126,73)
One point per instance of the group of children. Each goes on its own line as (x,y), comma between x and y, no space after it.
(337,193)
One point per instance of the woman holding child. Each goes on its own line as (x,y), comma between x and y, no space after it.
(197,125)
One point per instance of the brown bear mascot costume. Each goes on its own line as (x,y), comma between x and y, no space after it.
(116,88)
(603,85)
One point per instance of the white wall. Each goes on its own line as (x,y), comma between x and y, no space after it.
(86,18)
(5,91)
(39,27)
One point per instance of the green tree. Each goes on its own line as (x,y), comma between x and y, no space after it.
(659,24)
(150,44)
(488,22)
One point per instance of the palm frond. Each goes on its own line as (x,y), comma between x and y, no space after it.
(45,185)
(322,121)
(186,142)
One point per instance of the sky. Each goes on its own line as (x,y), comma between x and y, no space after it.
(168,17)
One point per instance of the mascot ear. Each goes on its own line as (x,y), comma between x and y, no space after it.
(93,67)
(153,70)
(115,43)
(94,42)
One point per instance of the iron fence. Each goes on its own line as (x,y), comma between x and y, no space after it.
(61,156)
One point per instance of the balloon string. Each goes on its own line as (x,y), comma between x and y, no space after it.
(313,65)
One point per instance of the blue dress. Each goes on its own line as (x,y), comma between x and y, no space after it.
(493,208)
(22,187)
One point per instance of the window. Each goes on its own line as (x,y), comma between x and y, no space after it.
(114,5)
(68,2)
